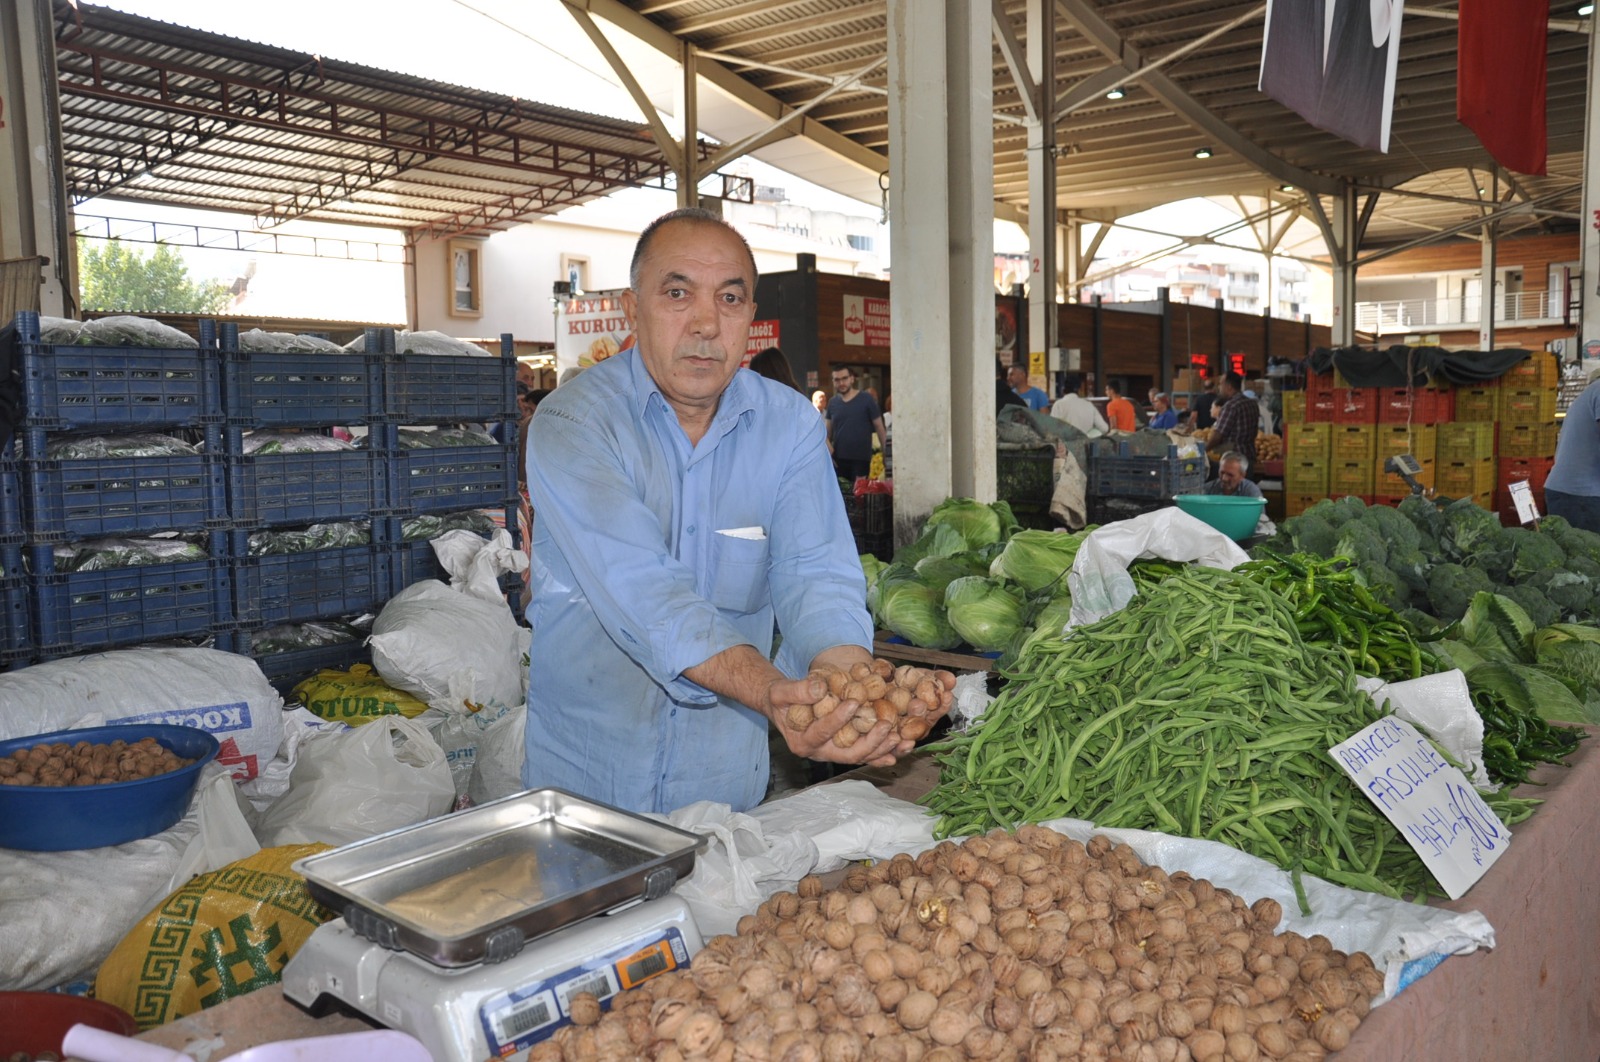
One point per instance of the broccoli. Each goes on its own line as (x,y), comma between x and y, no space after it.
(1412,568)
(1312,533)
(1395,529)
(1385,585)
(1352,507)
(1585,567)
(1540,609)
(1450,589)
(1576,541)
(1572,593)
(1362,543)
(1424,516)
(1531,552)
(1467,529)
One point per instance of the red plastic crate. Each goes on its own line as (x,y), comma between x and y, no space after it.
(1398,405)
(1533,469)
(1355,405)
(1444,404)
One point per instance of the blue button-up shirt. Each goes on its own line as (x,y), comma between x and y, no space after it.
(634,581)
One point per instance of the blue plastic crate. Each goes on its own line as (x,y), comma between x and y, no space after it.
(448,389)
(449,478)
(97,497)
(72,388)
(317,584)
(1125,475)
(301,390)
(286,670)
(278,490)
(76,612)
(12,531)
(16,619)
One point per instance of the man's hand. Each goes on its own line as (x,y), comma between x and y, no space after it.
(809,718)
(849,699)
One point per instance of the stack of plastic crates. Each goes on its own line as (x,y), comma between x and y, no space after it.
(872,523)
(276,494)
(1123,483)
(72,392)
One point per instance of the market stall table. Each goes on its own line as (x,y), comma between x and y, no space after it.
(1535,995)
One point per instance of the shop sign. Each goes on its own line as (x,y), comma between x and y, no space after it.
(590,328)
(866,321)
(1432,804)
(763,334)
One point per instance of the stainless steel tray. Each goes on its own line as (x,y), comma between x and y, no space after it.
(520,867)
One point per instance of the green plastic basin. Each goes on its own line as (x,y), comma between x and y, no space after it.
(1234,517)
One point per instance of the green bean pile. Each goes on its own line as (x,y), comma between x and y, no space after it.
(1197,710)
(1333,606)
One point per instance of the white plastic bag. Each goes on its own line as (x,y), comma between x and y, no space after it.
(61,913)
(1441,705)
(497,767)
(224,694)
(440,644)
(349,785)
(740,866)
(1099,578)
(273,780)
(461,729)
(475,564)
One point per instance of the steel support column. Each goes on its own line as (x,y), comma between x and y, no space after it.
(34,213)
(1044,319)
(1590,224)
(1488,295)
(942,309)
(689,159)
(1340,234)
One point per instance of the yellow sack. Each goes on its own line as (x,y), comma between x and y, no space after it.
(224,934)
(356,696)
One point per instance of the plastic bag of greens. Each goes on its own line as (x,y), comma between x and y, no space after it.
(912,609)
(305,539)
(59,329)
(428,439)
(259,341)
(1036,559)
(292,442)
(125,330)
(420,527)
(290,637)
(99,554)
(136,444)
(428,342)
(985,612)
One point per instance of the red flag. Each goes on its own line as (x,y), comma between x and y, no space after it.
(1500,78)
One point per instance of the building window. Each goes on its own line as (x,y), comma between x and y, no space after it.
(860,243)
(465,258)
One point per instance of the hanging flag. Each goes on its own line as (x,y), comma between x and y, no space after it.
(1333,63)
(1500,78)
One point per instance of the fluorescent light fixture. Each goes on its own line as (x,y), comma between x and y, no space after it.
(1285,187)
(1116,94)
(1202,152)
(1585,10)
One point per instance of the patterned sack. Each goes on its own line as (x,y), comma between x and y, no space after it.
(224,934)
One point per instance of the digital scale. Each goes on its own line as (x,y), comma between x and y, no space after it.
(1407,468)
(473,932)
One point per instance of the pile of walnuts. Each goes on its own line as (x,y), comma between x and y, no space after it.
(1007,946)
(84,763)
(912,698)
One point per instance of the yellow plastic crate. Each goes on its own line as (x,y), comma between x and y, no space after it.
(1526,440)
(1307,442)
(1527,407)
(1541,370)
(1349,477)
(1388,483)
(1294,407)
(1464,441)
(1419,440)
(1465,479)
(1351,442)
(1305,477)
(1295,504)
(1478,403)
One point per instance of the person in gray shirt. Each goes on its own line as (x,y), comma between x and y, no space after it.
(1232,468)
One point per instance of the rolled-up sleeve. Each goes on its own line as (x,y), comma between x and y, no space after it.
(587,501)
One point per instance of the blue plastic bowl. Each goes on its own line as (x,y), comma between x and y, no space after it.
(61,818)
(1234,517)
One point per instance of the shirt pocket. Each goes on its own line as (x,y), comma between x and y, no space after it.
(740,583)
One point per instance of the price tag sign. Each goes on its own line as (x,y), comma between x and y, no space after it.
(1431,803)
(1522,498)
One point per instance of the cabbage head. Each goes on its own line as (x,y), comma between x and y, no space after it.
(1037,559)
(985,612)
(940,572)
(871,567)
(912,609)
(940,540)
(978,524)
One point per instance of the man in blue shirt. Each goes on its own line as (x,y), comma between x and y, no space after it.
(1035,398)
(683,506)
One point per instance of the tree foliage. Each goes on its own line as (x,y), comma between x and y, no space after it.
(114,276)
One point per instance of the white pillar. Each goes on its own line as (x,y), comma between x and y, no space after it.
(1343,256)
(34,211)
(1043,316)
(1591,201)
(1488,296)
(942,242)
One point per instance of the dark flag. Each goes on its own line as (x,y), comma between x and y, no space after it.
(1333,63)
(1500,78)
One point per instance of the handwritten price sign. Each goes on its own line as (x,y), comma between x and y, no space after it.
(1431,803)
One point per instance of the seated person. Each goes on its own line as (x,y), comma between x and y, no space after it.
(1231,482)
(1162,416)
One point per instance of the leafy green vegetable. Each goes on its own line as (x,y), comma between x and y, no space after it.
(1527,689)
(985,612)
(937,540)
(940,572)
(1038,559)
(871,567)
(1497,628)
(977,523)
(912,609)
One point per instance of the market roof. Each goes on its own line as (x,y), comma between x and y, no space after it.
(162,113)
(158,112)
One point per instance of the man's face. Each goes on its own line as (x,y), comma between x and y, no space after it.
(843,380)
(691,315)
(1230,475)
(1017,377)
(1226,389)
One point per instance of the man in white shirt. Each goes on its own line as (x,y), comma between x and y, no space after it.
(1074,409)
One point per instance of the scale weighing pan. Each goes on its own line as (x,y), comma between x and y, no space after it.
(476,885)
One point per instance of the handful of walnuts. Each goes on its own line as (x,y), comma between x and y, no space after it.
(911,698)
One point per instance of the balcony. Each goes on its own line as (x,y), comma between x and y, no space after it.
(1412,315)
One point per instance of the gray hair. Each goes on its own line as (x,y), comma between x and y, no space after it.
(696,214)
(1235,456)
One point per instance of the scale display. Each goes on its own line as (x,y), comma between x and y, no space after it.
(519,1018)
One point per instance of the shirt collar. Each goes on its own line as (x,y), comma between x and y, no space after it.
(737,399)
